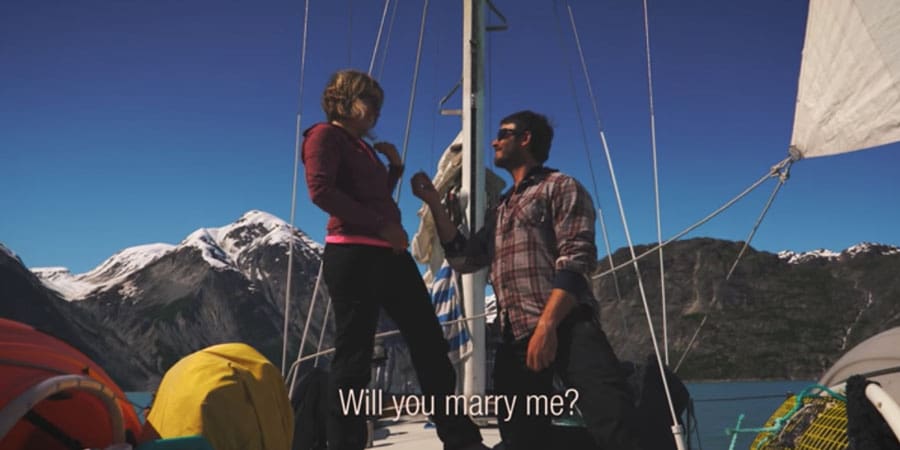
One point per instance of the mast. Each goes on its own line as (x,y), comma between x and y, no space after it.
(473,183)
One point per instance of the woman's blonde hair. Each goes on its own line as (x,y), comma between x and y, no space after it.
(347,94)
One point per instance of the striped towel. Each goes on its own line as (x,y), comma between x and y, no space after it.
(445,296)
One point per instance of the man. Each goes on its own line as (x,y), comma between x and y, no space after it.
(539,242)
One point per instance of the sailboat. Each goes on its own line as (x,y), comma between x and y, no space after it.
(863,98)
(848,99)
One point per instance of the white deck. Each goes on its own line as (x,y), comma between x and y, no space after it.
(410,433)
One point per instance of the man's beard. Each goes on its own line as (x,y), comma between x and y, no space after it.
(510,160)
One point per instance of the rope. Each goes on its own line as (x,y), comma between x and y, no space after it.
(387,4)
(615,183)
(709,217)
(734,436)
(287,290)
(781,180)
(662,266)
(587,152)
(412,95)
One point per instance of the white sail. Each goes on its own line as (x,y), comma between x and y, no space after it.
(849,91)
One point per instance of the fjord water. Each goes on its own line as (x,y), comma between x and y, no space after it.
(717,407)
(719,404)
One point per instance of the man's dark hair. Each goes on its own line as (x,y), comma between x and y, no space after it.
(540,128)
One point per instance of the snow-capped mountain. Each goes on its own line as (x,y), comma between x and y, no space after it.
(772,318)
(228,284)
(110,273)
(227,247)
(24,298)
(8,252)
(220,284)
(863,248)
(223,248)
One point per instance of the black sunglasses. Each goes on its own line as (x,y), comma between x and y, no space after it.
(504,133)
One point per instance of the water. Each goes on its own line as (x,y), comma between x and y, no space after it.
(718,406)
(140,400)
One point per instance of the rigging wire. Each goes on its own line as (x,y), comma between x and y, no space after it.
(287,290)
(387,42)
(384,334)
(324,327)
(637,269)
(312,308)
(587,151)
(772,173)
(309,314)
(743,397)
(690,343)
(782,178)
(349,33)
(434,101)
(489,98)
(387,4)
(293,371)
(662,266)
(412,95)
(783,175)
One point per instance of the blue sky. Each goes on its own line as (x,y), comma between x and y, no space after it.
(132,122)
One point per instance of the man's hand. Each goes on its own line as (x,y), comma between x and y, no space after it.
(396,236)
(543,342)
(541,348)
(389,151)
(424,189)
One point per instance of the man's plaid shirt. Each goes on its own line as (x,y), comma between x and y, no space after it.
(540,237)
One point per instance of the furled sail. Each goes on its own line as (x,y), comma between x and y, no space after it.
(849,91)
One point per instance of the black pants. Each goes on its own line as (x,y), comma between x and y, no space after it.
(361,279)
(584,361)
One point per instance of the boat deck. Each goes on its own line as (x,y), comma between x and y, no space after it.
(416,433)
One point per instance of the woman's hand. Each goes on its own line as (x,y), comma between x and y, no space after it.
(396,236)
(389,151)
(424,189)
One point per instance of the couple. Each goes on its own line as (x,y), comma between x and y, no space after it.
(539,243)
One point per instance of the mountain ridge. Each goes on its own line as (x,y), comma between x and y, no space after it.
(771,319)
(159,302)
(222,247)
(147,306)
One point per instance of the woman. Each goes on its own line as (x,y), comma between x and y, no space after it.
(366,265)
